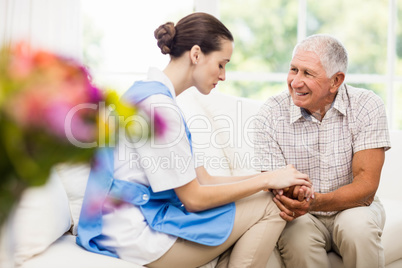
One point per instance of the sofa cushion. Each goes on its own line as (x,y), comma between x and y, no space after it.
(41,217)
(392,230)
(65,253)
(391,177)
(206,140)
(233,119)
(74,179)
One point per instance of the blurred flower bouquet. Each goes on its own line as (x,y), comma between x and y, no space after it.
(49,113)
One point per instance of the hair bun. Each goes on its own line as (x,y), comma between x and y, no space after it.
(164,35)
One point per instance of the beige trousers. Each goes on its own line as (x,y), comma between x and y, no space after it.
(355,234)
(255,232)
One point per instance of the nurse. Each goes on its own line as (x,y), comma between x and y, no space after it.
(176,214)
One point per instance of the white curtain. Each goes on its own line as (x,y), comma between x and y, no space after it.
(53,25)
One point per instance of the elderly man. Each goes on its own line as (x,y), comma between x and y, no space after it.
(337,134)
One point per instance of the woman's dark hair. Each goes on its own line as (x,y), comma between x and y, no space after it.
(197,28)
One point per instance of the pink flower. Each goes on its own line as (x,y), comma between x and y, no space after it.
(81,130)
(21,64)
(159,124)
(45,87)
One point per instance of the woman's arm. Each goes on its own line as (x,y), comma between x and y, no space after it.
(204,178)
(197,197)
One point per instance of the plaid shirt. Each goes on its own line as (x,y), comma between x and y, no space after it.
(286,134)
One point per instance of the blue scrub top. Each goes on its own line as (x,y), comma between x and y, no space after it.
(163,211)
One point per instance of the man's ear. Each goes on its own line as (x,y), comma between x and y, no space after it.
(337,80)
(195,53)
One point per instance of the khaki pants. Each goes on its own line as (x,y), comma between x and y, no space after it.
(355,234)
(255,232)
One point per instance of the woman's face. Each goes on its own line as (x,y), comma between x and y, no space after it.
(210,68)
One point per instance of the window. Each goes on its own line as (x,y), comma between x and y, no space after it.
(119,44)
(266,32)
(117,37)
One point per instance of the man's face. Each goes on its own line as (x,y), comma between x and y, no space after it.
(308,83)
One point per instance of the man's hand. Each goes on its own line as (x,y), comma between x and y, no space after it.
(292,208)
(294,201)
(297,192)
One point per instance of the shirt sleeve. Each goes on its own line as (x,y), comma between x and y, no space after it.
(372,124)
(166,158)
(267,151)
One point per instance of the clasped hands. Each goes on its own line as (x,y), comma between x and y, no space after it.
(294,201)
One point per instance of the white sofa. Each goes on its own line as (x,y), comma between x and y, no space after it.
(41,234)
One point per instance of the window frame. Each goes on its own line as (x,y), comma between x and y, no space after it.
(389,79)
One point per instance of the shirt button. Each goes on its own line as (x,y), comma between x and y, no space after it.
(145,197)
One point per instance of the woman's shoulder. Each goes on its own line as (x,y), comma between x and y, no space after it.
(142,90)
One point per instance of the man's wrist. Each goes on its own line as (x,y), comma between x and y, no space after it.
(315,202)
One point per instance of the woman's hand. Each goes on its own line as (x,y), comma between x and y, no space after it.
(286,177)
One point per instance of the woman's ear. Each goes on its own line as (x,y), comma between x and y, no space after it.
(195,53)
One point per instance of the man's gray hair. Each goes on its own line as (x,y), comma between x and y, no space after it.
(333,55)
